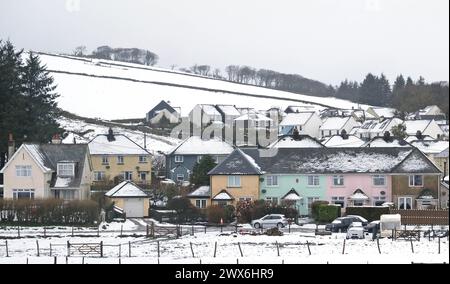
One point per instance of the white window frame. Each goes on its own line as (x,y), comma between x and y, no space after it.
(338,178)
(16,192)
(140,176)
(65,172)
(120,160)
(339,199)
(179,159)
(413,184)
(405,198)
(143,159)
(98,174)
(273,200)
(23,171)
(234,181)
(273,181)
(376,199)
(200,203)
(129,174)
(379,177)
(180,176)
(105,160)
(313,181)
(199,158)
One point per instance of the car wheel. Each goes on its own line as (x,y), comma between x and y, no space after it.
(280,225)
(257,225)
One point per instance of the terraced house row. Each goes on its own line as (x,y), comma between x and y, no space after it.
(343,176)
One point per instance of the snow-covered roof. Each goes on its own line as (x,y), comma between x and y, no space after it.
(296,118)
(443,154)
(72,137)
(245,110)
(210,110)
(412,138)
(304,141)
(384,112)
(197,146)
(292,195)
(358,195)
(334,123)
(254,117)
(375,126)
(63,182)
(223,196)
(37,155)
(337,141)
(431,146)
(126,189)
(412,126)
(122,145)
(202,191)
(387,142)
(229,110)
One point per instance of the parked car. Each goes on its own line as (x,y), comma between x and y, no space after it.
(373,225)
(270,221)
(341,224)
(355,231)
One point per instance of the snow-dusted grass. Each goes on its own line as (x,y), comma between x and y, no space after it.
(257,249)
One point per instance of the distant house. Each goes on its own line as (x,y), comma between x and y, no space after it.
(254,121)
(335,125)
(382,112)
(303,141)
(276,114)
(426,127)
(436,151)
(303,108)
(163,109)
(307,123)
(115,158)
(204,115)
(40,171)
(442,161)
(343,141)
(130,198)
(181,160)
(201,197)
(374,128)
(428,113)
(229,113)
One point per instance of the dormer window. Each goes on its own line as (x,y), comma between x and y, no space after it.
(66,169)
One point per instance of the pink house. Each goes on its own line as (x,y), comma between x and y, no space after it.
(359,189)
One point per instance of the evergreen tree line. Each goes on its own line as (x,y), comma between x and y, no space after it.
(406,95)
(28,107)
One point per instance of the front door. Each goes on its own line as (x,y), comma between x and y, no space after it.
(405,203)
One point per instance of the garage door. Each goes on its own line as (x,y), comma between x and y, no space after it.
(134,207)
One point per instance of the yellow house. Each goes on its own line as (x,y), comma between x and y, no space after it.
(115,158)
(130,198)
(235,179)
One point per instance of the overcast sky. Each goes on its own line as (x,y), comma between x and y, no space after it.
(327,40)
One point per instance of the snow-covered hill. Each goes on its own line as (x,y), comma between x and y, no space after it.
(114,90)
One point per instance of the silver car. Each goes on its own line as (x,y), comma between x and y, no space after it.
(355,231)
(270,221)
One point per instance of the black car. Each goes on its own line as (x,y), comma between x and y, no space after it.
(341,224)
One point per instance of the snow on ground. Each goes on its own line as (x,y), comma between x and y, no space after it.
(118,98)
(293,248)
(155,143)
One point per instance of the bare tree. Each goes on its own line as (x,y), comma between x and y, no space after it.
(80,50)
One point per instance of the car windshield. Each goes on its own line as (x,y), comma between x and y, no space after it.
(356,224)
(337,221)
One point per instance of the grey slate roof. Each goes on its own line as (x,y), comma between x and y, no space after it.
(52,154)
(327,161)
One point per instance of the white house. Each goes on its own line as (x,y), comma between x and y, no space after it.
(307,123)
(253,120)
(374,128)
(334,125)
(426,127)
(382,112)
(229,113)
(163,109)
(43,171)
(429,112)
(204,114)
(130,198)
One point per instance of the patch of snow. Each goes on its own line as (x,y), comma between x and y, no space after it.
(338,142)
(197,146)
(122,145)
(289,142)
(126,189)
(295,119)
(62,182)
(334,123)
(222,196)
(201,191)
(37,155)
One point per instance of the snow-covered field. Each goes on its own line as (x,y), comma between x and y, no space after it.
(257,249)
(154,143)
(124,98)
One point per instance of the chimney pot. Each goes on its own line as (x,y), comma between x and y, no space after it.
(56,139)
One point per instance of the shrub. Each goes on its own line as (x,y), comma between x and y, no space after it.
(247,211)
(184,208)
(369,213)
(315,208)
(327,213)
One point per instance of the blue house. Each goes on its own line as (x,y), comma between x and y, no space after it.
(181,160)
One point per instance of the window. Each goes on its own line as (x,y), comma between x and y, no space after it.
(358,202)
(23,171)
(199,158)
(379,180)
(180,177)
(216,159)
(272,180)
(65,194)
(405,203)
(338,200)
(127,175)
(313,180)
(23,193)
(222,203)
(99,176)
(120,160)
(416,181)
(234,181)
(273,200)
(142,159)
(200,203)
(66,170)
(379,200)
(105,160)
(338,180)
(178,159)
(143,176)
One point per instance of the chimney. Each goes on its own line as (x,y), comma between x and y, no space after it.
(110,135)
(11,146)
(56,139)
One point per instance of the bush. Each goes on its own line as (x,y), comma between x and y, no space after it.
(369,213)
(184,208)
(327,213)
(247,211)
(315,208)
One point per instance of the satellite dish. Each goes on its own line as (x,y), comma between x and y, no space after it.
(383,193)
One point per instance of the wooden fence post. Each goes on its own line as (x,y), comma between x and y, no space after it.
(18,232)
(121,230)
(412,246)
(37,248)
(55,260)
(343,247)
(68,248)
(192,232)
(147,230)
(159,252)
(205,229)
(309,250)
(50,249)
(240,249)
(439,246)
(129,249)
(98,231)
(101,249)
(7,251)
(120,250)
(215,249)
(45,232)
(278,248)
(378,245)
(153,230)
(72,231)
(192,250)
